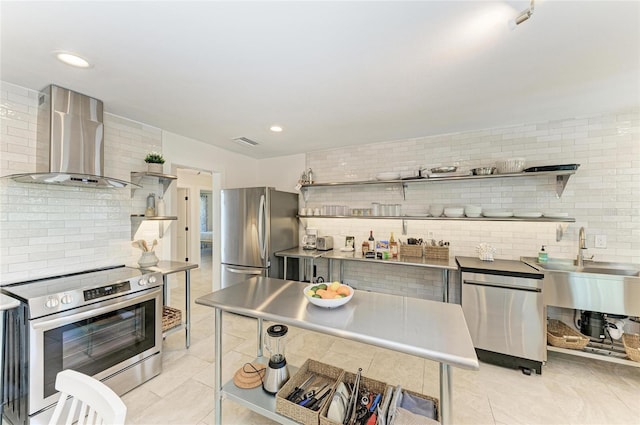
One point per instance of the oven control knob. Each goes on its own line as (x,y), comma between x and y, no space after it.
(66,299)
(152,279)
(142,281)
(51,302)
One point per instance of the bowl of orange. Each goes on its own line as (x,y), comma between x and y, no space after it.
(330,295)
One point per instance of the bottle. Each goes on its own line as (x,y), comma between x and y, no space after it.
(151,205)
(372,242)
(160,207)
(542,255)
(310,176)
(393,246)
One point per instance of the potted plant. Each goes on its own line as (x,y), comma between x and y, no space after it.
(154,162)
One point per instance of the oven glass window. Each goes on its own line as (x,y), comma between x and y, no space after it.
(98,343)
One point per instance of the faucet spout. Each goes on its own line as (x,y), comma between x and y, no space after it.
(582,246)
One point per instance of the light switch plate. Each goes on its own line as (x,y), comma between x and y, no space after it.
(600,241)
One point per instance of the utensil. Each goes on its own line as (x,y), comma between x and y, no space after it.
(144,244)
(448,169)
(350,417)
(299,390)
(317,402)
(483,171)
(309,397)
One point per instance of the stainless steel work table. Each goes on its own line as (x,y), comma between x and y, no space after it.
(428,329)
(166,268)
(297,252)
(403,260)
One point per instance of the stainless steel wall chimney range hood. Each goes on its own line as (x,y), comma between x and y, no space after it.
(70,141)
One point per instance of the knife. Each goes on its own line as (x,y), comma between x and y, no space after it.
(299,390)
(311,394)
(317,401)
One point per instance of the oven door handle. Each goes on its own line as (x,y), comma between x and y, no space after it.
(51,323)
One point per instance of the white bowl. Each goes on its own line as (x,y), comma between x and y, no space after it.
(336,302)
(436,210)
(453,212)
(472,211)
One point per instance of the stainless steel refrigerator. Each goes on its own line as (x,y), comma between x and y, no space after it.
(256,223)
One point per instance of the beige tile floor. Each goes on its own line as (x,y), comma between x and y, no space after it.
(571,390)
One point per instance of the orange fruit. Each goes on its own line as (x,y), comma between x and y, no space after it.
(328,295)
(344,290)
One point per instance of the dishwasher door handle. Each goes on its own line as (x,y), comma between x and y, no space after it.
(502,285)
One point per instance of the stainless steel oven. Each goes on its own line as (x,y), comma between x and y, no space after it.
(110,330)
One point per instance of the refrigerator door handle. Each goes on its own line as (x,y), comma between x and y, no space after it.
(261,227)
(245,271)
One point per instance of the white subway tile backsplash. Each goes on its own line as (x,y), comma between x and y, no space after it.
(48,230)
(603,196)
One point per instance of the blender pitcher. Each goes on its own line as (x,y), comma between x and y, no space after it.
(277,372)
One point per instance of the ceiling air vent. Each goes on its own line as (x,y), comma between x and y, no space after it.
(245,141)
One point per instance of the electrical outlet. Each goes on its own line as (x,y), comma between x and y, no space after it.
(600,241)
(429,235)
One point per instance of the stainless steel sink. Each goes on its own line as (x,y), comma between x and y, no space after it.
(598,267)
(606,287)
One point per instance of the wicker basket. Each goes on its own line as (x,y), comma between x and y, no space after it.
(411,250)
(299,413)
(436,252)
(631,344)
(171,317)
(435,401)
(563,336)
(349,378)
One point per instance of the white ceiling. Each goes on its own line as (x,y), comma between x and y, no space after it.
(331,73)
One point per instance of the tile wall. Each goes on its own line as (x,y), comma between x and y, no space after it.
(603,196)
(46,229)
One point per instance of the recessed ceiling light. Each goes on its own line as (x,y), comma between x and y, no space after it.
(72,59)
(275,128)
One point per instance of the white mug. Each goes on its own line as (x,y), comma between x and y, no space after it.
(316,211)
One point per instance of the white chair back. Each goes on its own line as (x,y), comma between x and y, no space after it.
(91,402)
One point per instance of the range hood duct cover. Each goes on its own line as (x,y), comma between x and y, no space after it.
(70,141)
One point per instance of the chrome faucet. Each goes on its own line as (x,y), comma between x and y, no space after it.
(582,246)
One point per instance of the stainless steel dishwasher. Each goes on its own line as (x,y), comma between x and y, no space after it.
(503,306)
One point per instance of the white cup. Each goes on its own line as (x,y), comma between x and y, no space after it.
(316,211)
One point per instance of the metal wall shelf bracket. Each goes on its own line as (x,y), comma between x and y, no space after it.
(404,191)
(561,182)
(165,179)
(405,223)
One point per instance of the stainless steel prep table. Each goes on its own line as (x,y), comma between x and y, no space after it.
(297,252)
(401,328)
(166,268)
(444,265)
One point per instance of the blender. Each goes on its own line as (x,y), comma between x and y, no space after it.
(277,372)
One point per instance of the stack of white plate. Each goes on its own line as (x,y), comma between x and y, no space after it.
(497,214)
(527,214)
(388,176)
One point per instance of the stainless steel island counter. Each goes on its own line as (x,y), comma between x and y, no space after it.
(428,329)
